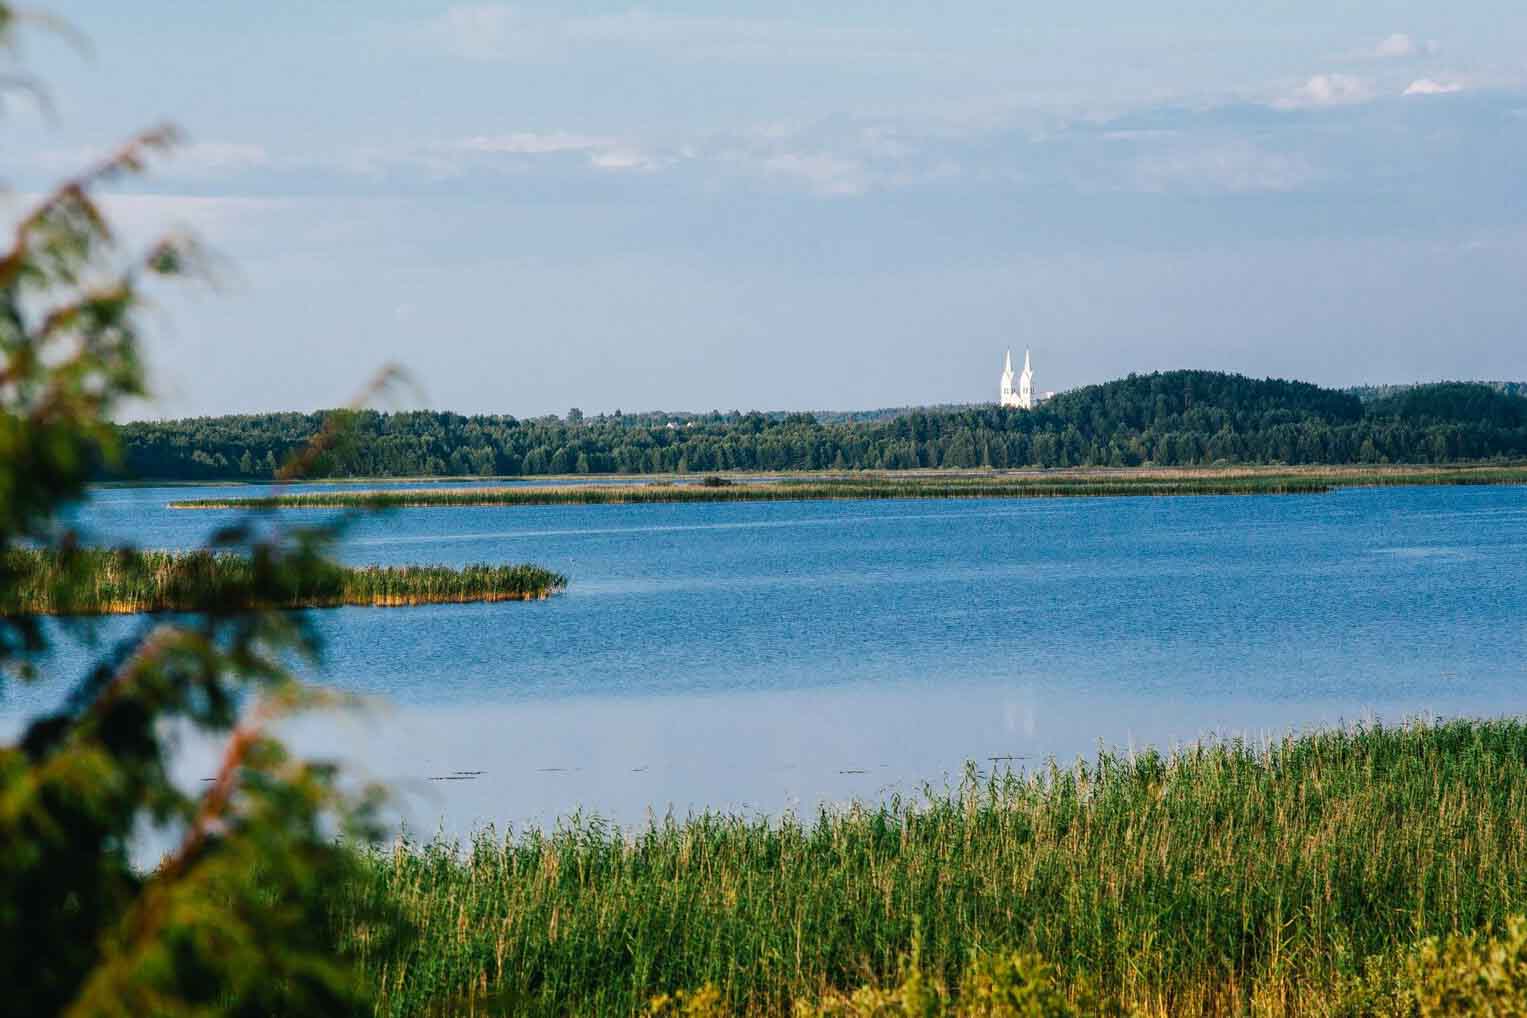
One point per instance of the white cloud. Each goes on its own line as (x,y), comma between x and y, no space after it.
(1400,46)
(1427,86)
(624,158)
(1326,90)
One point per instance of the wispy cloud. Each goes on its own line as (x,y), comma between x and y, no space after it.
(219,221)
(141,217)
(603,153)
(476,31)
(211,158)
(1327,90)
(1229,148)
(198,159)
(1233,168)
(841,156)
(501,32)
(824,174)
(1428,86)
(531,143)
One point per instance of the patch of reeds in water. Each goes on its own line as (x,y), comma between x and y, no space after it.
(103,581)
(1101,484)
(1222,880)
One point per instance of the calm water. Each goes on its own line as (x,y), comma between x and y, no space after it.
(772,656)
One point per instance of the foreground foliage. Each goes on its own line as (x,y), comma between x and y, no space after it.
(1453,977)
(717,489)
(997,985)
(1220,880)
(234,921)
(1462,976)
(99,581)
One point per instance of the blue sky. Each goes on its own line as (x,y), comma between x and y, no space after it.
(696,206)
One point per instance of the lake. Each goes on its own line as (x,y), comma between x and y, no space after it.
(763,657)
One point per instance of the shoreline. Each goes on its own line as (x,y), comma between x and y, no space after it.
(1085,483)
(826,473)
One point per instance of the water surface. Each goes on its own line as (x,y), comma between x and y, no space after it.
(771,656)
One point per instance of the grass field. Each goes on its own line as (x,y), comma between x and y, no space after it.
(794,487)
(101,582)
(1223,880)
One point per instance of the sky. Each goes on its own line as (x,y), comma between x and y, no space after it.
(695,206)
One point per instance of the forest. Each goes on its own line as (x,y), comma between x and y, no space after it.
(1174,418)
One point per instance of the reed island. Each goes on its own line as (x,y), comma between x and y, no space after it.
(110,582)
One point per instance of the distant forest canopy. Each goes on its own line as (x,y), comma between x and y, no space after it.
(1369,393)
(1174,418)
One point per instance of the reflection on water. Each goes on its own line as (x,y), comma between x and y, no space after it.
(773,656)
(460,768)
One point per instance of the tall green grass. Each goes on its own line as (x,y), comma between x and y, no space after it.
(1221,880)
(101,581)
(1102,484)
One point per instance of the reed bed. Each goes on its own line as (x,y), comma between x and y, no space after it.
(1224,879)
(1101,484)
(103,582)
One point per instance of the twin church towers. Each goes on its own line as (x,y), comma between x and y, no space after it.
(1024,397)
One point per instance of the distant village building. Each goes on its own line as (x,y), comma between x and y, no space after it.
(1023,397)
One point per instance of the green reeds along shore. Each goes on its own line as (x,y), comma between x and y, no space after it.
(1222,880)
(1077,484)
(103,581)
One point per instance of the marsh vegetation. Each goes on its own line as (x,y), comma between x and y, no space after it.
(1220,880)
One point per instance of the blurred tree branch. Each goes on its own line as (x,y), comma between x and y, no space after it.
(236,920)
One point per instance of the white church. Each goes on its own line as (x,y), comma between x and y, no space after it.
(1024,397)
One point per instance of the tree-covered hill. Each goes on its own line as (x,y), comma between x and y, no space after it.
(1173,418)
(1199,401)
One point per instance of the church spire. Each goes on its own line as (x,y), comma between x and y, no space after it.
(1025,395)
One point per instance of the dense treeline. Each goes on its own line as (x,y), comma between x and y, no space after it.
(1177,418)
